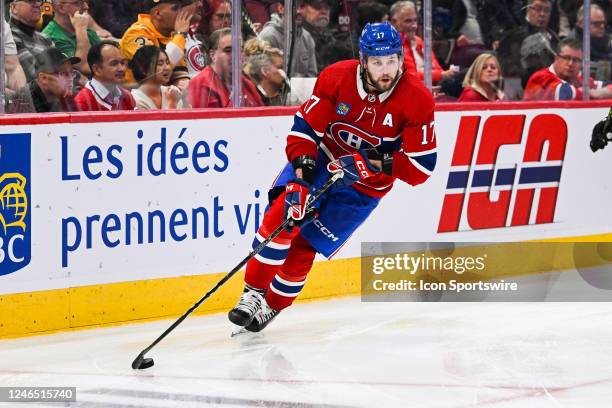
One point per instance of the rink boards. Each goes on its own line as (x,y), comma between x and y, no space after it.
(109,218)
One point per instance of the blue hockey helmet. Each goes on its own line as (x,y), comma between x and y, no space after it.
(379,39)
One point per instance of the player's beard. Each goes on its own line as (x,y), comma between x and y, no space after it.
(378,85)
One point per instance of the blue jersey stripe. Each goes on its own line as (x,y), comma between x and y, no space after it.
(428,161)
(301,126)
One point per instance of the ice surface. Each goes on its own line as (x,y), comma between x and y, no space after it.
(338,353)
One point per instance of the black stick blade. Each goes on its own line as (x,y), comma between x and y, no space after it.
(141,363)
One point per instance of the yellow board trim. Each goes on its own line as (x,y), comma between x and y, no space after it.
(49,311)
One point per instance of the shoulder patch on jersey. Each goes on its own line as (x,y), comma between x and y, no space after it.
(343,109)
(388,121)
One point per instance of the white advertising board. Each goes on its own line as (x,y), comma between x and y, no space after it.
(94,203)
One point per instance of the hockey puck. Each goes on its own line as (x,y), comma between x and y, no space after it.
(142,363)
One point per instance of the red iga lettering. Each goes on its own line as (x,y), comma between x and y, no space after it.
(484,192)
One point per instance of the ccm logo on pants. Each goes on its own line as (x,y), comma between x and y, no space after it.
(324,230)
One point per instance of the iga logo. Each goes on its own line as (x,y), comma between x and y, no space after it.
(15,226)
(502,179)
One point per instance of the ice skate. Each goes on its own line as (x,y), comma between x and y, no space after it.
(247,307)
(262,318)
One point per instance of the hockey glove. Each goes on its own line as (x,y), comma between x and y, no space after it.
(602,133)
(356,167)
(296,198)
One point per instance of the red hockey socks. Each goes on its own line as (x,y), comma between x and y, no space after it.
(288,282)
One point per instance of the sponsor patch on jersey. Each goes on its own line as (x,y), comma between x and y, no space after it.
(343,109)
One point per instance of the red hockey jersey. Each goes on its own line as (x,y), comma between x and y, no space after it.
(545,85)
(342,117)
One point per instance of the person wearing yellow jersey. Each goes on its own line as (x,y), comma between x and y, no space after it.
(166,25)
(46,14)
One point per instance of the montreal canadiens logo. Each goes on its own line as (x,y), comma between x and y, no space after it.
(351,138)
(196,58)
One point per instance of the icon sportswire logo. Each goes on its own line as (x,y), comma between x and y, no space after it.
(505,175)
(15,183)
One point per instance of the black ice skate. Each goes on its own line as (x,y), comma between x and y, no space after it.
(247,307)
(262,318)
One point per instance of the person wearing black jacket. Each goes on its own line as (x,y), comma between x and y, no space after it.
(116,15)
(51,90)
(526,49)
(497,17)
(601,43)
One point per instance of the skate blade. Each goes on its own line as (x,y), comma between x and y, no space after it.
(238,332)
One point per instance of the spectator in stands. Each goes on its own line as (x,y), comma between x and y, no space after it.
(330,45)
(264,68)
(180,78)
(69,30)
(405,20)
(51,88)
(260,11)
(14,76)
(303,58)
(212,88)
(561,81)
(151,68)
(115,15)
(497,17)
(166,25)
(601,43)
(103,92)
(46,14)
(194,52)
(469,41)
(216,14)
(482,81)
(530,47)
(29,42)
(368,12)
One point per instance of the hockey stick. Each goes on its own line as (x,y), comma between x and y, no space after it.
(141,363)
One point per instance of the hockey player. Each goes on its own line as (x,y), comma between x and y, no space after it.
(371,119)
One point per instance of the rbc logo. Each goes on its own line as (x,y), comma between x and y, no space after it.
(503,179)
(15,225)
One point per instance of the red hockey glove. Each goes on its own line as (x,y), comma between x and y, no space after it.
(296,198)
(356,167)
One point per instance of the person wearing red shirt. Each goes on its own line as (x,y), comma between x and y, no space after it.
(562,80)
(103,92)
(211,88)
(404,19)
(481,83)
